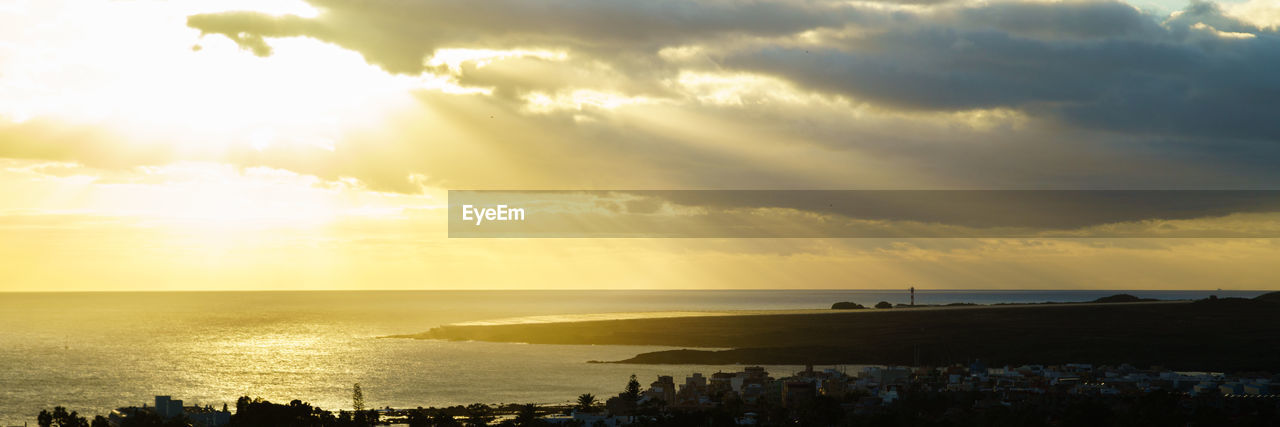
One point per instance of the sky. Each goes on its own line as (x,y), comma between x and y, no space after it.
(255,145)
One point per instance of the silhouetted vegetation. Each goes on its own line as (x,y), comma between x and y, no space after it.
(259,412)
(144,418)
(431,417)
(133,418)
(846,305)
(587,402)
(479,414)
(60,418)
(633,388)
(884,304)
(357,398)
(626,402)
(262,413)
(526,416)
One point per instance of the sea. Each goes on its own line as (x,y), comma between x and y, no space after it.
(92,352)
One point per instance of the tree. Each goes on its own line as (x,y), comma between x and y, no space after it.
(60,418)
(528,415)
(479,414)
(442,419)
(884,304)
(365,418)
(258,412)
(586,402)
(418,418)
(242,404)
(140,418)
(357,398)
(633,388)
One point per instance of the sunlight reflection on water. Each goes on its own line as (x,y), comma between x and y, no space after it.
(95,351)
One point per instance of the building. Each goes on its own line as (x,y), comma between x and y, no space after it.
(663,389)
(797,392)
(168,407)
(721,382)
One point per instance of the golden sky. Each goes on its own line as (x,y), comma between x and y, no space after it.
(229,145)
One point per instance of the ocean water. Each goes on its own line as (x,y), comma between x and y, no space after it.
(92,352)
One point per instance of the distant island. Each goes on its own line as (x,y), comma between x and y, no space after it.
(1227,334)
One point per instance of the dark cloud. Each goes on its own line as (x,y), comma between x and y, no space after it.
(1052,209)
(397,35)
(1080,20)
(1131,76)
(1110,96)
(1102,64)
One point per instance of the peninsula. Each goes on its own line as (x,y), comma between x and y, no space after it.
(1229,334)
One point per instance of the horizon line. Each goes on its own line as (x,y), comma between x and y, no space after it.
(625,290)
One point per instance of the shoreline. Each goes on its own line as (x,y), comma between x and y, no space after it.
(432,334)
(1227,334)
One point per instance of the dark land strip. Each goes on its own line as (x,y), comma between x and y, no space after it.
(1229,334)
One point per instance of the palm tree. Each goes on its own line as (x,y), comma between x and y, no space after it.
(586,401)
(528,415)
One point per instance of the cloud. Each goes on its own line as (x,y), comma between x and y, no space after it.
(91,145)
(786,94)
(1263,13)
(780,94)
(1099,66)
(1088,79)
(399,35)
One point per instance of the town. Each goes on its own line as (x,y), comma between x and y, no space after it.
(1068,394)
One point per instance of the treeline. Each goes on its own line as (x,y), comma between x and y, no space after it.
(259,412)
(136,418)
(263,413)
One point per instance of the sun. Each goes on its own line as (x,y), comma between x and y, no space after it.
(136,69)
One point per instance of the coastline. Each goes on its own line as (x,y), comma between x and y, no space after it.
(1223,334)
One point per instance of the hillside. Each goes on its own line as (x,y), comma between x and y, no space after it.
(1225,334)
